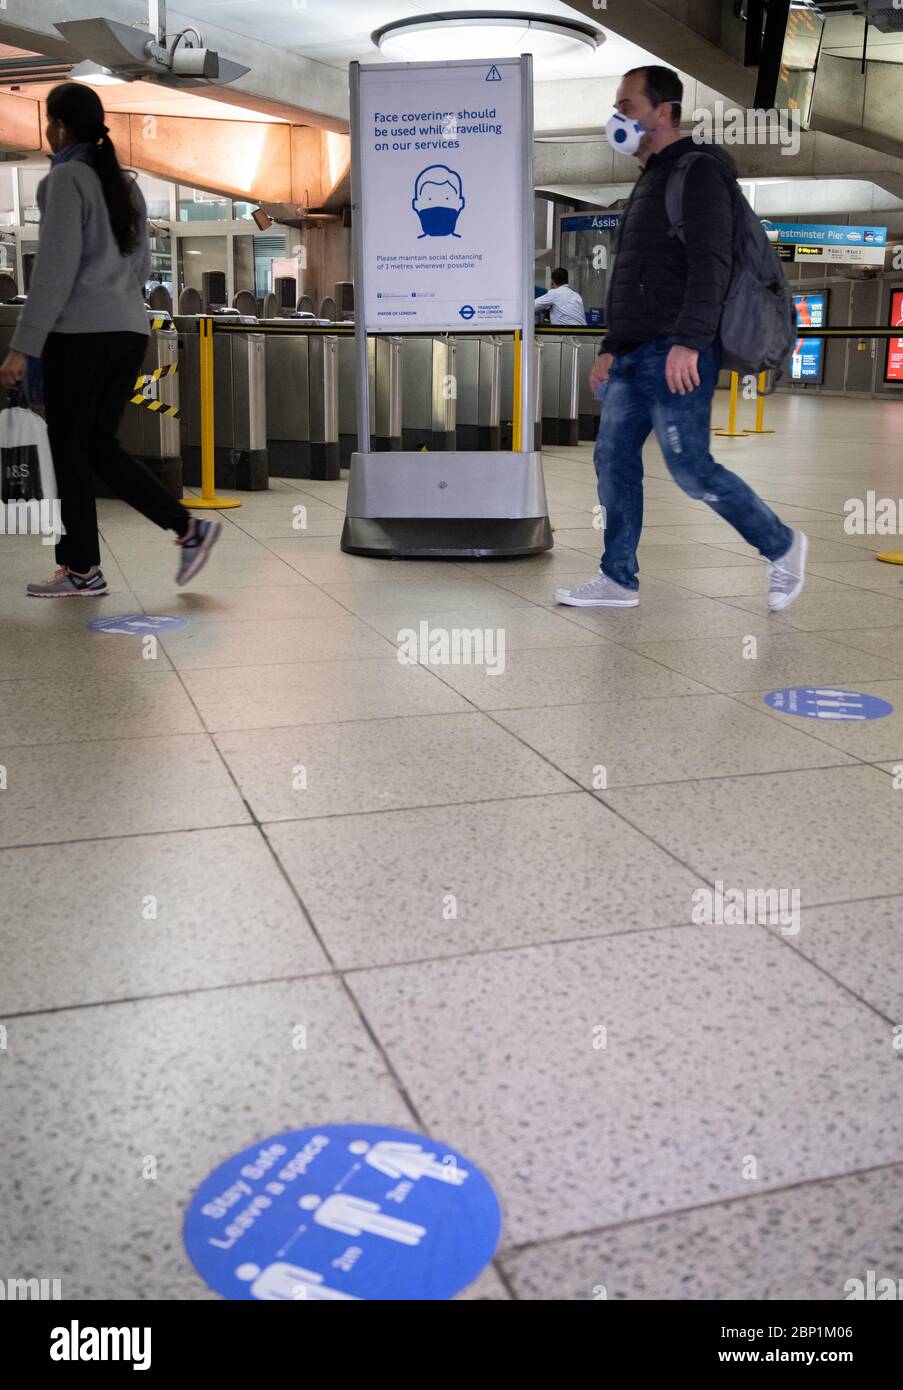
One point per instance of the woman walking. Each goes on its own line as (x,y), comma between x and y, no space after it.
(85,317)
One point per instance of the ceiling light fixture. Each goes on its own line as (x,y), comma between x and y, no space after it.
(453,35)
(94,75)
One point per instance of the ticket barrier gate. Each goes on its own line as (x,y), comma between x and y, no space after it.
(559,390)
(588,408)
(506,391)
(9,317)
(239,376)
(302,403)
(385,376)
(428,393)
(478,420)
(149,428)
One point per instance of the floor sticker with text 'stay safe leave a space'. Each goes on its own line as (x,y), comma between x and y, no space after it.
(816,702)
(343,1212)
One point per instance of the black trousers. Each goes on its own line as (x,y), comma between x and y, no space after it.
(88,377)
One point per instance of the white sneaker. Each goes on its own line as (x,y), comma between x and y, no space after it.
(787,575)
(598,592)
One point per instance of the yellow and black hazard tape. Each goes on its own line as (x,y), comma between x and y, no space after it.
(157,375)
(159,407)
(162,323)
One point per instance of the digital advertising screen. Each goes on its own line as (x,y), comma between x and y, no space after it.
(807,362)
(893,366)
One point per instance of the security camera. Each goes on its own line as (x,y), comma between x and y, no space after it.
(195,62)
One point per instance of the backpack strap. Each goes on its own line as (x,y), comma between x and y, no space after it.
(674,190)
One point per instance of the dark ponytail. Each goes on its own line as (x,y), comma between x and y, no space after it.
(80,110)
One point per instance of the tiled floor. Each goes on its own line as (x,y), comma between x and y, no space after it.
(265,819)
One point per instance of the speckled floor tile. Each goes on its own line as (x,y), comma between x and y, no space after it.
(337,568)
(664,740)
(880,641)
(867,574)
(318,692)
(662,619)
(274,641)
(870,740)
(832,833)
(384,764)
(94,706)
(90,1095)
(517,871)
(64,648)
(784,658)
(523,627)
(858,944)
(819,609)
(669,1105)
(224,570)
(302,600)
(79,791)
(464,593)
(155,914)
(734,580)
(804,1243)
(567,675)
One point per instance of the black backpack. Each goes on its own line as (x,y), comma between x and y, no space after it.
(758,326)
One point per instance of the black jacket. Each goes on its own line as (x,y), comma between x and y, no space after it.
(659,287)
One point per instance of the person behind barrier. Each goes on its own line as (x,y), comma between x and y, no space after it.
(564,304)
(85,318)
(660,358)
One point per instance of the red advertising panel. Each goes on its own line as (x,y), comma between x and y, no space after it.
(893,370)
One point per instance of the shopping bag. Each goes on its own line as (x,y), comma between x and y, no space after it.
(26,464)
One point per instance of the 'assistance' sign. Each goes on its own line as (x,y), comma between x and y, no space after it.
(440,189)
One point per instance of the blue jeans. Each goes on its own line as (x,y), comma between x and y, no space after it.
(637,400)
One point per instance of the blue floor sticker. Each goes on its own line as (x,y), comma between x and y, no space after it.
(136,624)
(813,702)
(343,1212)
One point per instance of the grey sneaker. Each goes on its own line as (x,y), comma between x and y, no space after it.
(787,575)
(64,584)
(196,546)
(598,592)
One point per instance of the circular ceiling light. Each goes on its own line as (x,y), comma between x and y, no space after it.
(453,35)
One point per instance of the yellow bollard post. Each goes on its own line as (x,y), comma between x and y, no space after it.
(208,497)
(732,432)
(517,431)
(759,427)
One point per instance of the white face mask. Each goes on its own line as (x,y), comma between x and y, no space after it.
(624,134)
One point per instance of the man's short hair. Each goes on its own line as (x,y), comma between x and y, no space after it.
(662,84)
(560,275)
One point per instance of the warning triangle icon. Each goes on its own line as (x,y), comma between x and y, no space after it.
(493,75)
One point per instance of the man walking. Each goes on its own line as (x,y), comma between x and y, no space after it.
(660,357)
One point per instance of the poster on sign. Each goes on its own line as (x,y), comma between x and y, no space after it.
(807,359)
(440,192)
(893,367)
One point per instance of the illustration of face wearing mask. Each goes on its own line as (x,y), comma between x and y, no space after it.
(438,200)
(623,133)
